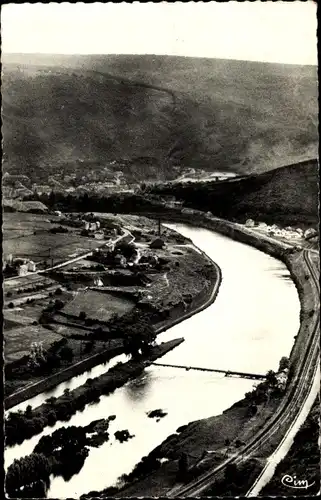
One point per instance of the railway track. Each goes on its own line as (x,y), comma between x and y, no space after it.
(290,407)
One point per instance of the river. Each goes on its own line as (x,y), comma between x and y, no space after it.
(249,327)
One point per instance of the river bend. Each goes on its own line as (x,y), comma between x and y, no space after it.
(249,327)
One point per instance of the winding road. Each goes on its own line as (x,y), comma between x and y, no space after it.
(76,259)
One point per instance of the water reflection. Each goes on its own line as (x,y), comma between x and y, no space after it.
(139,388)
(248,328)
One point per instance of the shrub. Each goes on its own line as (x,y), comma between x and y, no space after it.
(11,305)
(82,315)
(59,304)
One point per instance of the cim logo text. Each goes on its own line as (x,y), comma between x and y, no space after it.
(293,482)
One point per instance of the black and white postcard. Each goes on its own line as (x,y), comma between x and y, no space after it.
(161,313)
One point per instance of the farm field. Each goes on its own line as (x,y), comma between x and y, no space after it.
(17,341)
(19,223)
(26,314)
(49,246)
(98,305)
(20,241)
(26,282)
(80,264)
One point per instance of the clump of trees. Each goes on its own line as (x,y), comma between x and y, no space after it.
(138,333)
(284,363)
(66,448)
(20,426)
(236,480)
(261,392)
(128,250)
(123,436)
(62,453)
(42,362)
(27,472)
(59,229)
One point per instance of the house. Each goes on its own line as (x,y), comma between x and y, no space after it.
(23,270)
(31,266)
(310,233)
(249,223)
(9,258)
(58,213)
(282,378)
(120,260)
(98,282)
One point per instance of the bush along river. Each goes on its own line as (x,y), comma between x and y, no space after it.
(248,328)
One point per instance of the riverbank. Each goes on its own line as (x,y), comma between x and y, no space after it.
(220,436)
(57,378)
(19,427)
(190,284)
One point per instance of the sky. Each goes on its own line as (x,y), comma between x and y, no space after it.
(282,32)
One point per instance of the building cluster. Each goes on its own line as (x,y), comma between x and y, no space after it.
(18,266)
(288,232)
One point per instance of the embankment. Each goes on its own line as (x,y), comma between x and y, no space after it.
(50,382)
(178,313)
(199,302)
(237,422)
(20,427)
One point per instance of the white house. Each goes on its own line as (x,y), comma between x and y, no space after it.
(250,223)
(31,266)
(23,270)
(9,258)
(309,232)
(98,282)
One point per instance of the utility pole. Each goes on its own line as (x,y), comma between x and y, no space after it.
(50,256)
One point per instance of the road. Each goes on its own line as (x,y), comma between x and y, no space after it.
(288,411)
(76,259)
(88,254)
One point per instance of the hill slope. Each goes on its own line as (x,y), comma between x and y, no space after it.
(150,113)
(287,195)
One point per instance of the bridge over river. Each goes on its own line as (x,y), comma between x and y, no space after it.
(228,373)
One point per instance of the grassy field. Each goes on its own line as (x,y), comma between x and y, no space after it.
(27,314)
(98,305)
(17,341)
(20,241)
(18,223)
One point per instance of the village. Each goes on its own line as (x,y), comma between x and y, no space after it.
(88,271)
(297,235)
